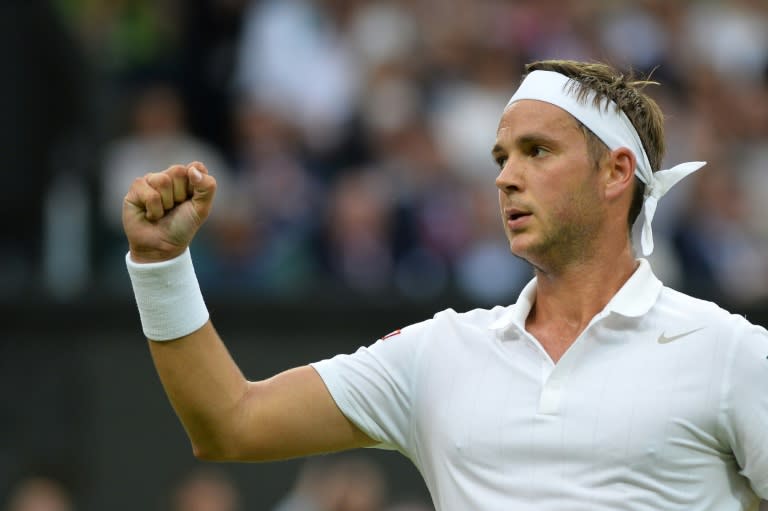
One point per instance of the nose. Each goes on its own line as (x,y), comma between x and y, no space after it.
(509,178)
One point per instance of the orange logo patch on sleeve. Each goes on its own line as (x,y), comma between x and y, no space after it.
(391,334)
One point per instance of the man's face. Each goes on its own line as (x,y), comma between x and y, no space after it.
(548,186)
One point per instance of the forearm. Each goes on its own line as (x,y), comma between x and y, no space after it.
(205,388)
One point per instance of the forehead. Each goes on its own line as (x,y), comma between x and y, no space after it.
(530,115)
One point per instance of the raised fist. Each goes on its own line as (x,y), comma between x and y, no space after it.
(163,210)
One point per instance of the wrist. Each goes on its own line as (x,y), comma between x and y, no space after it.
(168,296)
(154,256)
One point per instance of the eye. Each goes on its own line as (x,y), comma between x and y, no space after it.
(537,150)
(500,161)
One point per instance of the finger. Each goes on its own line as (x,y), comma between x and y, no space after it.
(203,191)
(146,198)
(195,176)
(180,185)
(199,166)
(178,175)
(201,182)
(163,183)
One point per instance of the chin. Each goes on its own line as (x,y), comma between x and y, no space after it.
(531,250)
(520,247)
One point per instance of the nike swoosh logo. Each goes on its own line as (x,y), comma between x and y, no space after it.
(663,339)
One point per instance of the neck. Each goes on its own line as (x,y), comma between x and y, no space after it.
(567,298)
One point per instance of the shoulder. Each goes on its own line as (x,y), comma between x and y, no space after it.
(474,319)
(445,327)
(674,306)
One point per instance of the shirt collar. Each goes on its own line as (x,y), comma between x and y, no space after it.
(635,298)
(517,313)
(638,294)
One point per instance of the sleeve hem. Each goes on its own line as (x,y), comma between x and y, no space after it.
(335,389)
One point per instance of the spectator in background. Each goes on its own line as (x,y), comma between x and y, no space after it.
(261,240)
(463,111)
(359,231)
(722,258)
(205,490)
(641,35)
(40,493)
(337,483)
(293,56)
(157,135)
(486,272)
(730,37)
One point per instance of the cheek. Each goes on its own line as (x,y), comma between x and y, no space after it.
(574,206)
(582,205)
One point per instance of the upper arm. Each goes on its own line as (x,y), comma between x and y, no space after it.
(292,414)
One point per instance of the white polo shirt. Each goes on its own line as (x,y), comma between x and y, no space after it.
(660,404)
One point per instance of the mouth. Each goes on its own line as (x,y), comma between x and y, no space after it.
(514,213)
(516,218)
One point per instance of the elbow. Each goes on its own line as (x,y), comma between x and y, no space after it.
(205,454)
(210,453)
(232,452)
(213,452)
(222,439)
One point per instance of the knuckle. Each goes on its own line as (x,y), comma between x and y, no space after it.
(162,180)
(152,197)
(158,179)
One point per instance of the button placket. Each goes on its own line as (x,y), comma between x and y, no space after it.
(554,376)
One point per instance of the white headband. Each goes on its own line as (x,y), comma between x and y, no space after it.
(612,126)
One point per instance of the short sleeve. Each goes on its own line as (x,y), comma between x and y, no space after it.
(745,407)
(373,386)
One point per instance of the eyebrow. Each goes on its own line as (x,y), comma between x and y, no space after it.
(526,139)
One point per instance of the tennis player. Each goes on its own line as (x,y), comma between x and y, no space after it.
(599,389)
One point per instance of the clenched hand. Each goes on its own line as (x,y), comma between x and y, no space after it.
(163,210)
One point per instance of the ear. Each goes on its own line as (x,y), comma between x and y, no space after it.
(619,173)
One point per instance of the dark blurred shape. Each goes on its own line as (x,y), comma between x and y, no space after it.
(41,102)
(210,30)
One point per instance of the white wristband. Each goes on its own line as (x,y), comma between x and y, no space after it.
(168,296)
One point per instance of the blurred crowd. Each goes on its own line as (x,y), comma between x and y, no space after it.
(351,138)
(336,482)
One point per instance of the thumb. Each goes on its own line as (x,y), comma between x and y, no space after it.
(203,187)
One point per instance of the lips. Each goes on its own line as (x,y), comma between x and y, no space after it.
(516,218)
(515,213)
